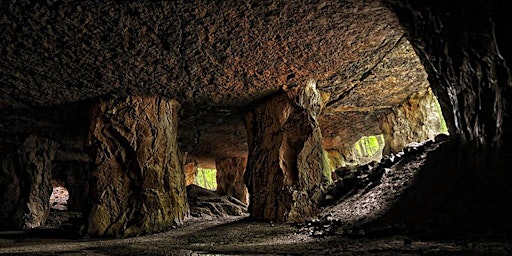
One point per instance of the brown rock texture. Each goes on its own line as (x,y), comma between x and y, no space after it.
(416,120)
(357,111)
(284,168)
(190,173)
(26,184)
(218,58)
(230,178)
(138,184)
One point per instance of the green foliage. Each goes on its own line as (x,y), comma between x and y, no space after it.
(207,178)
(327,168)
(368,146)
(443,128)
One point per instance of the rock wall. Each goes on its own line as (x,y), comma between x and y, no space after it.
(26,184)
(138,184)
(230,178)
(464,46)
(190,173)
(284,168)
(416,120)
(73,176)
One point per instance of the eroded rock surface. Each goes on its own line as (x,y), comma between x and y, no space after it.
(285,165)
(207,204)
(230,178)
(138,184)
(416,120)
(26,184)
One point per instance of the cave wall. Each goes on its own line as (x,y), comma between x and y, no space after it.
(230,177)
(285,163)
(464,46)
(190,173)
(25,184)
(138,183)
(416,120)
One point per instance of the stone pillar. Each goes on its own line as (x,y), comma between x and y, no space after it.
(284,168)
(138,184)
(230,177)
(26,184)
(190,173)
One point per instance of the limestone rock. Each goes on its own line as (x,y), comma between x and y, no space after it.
(138,184)
(190,173)
(26,184)
(416,120)
(284,169)
(207,204)
(230,178)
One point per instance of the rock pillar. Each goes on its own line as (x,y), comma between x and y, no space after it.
(230,177)
(138,184)
(26,184)
(190,173)
(284,168)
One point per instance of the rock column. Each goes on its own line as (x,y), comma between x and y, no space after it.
(190,173)
(138,184)
(26,184)
(230,177)
(284,168)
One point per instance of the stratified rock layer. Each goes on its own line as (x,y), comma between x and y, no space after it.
(230,177)
(284,169)
(138,185)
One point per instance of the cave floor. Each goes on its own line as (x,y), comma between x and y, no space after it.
(229,235)
(238,236)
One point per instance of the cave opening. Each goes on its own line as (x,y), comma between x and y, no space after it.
(59,197)
(206,178)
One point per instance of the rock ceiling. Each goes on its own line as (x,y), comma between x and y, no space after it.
(217,58)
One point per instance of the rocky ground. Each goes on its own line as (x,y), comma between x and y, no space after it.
(220,226)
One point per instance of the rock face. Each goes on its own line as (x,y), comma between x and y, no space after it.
(138,184)
(207,204)
(416,120)
(26,184)
(284,168)
(464,48)
(230,178)
(190,173)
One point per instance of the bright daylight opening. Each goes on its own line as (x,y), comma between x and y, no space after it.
(206,178)
(59,198)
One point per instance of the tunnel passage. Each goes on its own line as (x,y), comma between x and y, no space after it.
(221,65)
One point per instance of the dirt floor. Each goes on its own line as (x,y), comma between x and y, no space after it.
(235,236)
(358,198)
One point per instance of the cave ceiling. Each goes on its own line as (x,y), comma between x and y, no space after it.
(217,58)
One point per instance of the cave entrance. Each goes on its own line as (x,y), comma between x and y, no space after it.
(59,197)
(206,178)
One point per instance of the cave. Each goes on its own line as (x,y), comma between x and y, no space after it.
(335,127)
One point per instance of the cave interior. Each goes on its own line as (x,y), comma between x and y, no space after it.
(315,120)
